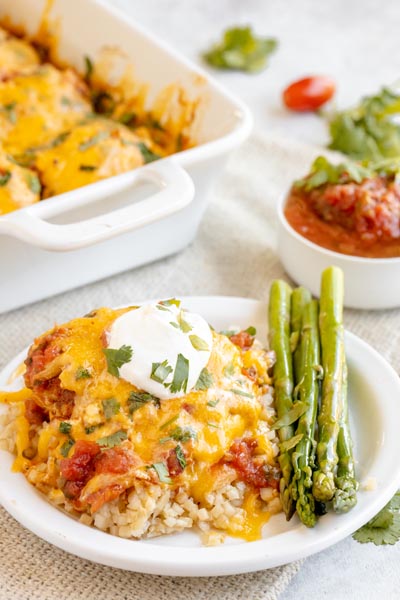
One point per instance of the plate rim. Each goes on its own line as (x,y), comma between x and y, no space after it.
(145,557)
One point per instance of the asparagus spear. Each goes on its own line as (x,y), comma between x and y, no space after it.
(308,372)
(332,346)
(346,484)
(279,335)
(300,297)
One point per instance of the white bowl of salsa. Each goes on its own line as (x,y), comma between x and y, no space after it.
(310,240)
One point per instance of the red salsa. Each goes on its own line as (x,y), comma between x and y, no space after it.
(360,219)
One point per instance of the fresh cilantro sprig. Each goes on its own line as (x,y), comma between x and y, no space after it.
(205,380)
(324,172)
(384,528)
(240,49)
(370,130)
(112,440)
(138,399)
(111,407)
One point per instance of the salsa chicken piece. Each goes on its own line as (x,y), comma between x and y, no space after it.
(16,55)
(37,105)
(19,186)
(90,152)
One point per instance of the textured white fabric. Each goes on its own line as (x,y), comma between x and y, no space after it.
(232,255)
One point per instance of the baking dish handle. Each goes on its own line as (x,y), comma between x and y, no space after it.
(176,190)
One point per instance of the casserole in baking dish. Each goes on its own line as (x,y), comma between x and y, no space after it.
(80,235)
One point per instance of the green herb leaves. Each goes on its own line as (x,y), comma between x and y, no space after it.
(93,141)
(117,357)
(198,343)
(160,371)
(180,434)
(113,440)
(241,49)
(205,380)
(138,399)
(180,457)
(324,172)
(88,68)
(369,130)
(65,427)
(384,528)
(162,472)
(33,182)
(181,375)
(82,373)
(66,447)
(147,154)
(110,407)
(5,177)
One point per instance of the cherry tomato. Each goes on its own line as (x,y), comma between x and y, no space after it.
(309,94)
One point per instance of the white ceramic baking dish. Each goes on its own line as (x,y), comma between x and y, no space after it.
(133,218)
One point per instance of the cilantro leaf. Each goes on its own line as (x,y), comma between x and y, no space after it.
(160,371)
(169,422)
(138,399)
(384,528)
(180,434)
(110,407)
(241,393)
(241,49)
(198,343)
(82,373)
(5,177)
(66,447)
(65,427)
(229,370)
(116,358)
(181,375)
(88,68)
(93,141)
(33,182)
(205,380)
(324,172)
(180,456)
(170,302)
(147,154)
(213,403)
(113,440)
(369,130)
(162,472)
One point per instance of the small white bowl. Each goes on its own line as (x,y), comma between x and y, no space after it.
(370,283)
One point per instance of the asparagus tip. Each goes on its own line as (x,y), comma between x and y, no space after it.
(323,486)
(345,496)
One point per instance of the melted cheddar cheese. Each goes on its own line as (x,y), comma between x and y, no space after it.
(204,423)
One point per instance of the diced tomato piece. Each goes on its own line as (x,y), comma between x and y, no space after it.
(34,413)
(113,460)
(97,499)
(257,475)
(309,93)
(242,339)
(174,466)
(80,466)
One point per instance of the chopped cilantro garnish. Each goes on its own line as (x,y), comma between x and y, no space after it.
(110,407)
(113,440)
(160,371)
(180,434)
(162,472)
(138,399)
(33,182)
(116,358)
(183,325)
(89,430)
(384,528)
(205,380)
(88,68)
(181,374)
(5,177)
(88,168)
(9,109)
(180,456)
(82,373)
(65,427)
(169,422)
(251,330)
(198,343)
(214,425)
(229,370)
(99,137)
(324,172)
(241,49)
(242,393)
(66,447)
(170,302)
(213,403)
(147,154)
(127,118)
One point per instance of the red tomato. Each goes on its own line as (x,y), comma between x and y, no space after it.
(309,94)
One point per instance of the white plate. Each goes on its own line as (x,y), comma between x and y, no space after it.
(374,390)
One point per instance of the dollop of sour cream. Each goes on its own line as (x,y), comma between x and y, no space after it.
(170,347)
